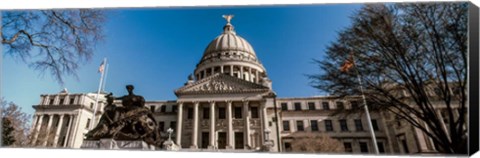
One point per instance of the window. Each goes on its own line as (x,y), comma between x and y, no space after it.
(405,146)
(161,126)
(354,104)
(348,147)
(288,147)
(238,112)
(152,108)
(173,125)
(51,101)
(358,125)
(91,105)
(206,113)
(189,113)
(88,123)
(221,113)
(270,123)
(174,108)
(286,125)
(298,106)
(374,125)
(163,108)
(254,112)
(61,101)
(72,100)
(314,125)
(300,126)
(325,106)
(239,140)
(343,125)
(311,106)
(284,106)
(328,125)
(381,149)
(363,147)
(340,105)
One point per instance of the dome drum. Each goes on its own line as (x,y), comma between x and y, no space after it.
(247,73)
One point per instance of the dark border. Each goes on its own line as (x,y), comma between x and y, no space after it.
(473,78)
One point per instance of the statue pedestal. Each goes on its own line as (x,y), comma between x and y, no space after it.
(169,145)
(116,144)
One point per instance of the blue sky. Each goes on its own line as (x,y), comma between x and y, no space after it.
(155,49)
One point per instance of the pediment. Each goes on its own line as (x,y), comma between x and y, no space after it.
(221,83)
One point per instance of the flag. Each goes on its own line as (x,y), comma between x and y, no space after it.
(347,64)
(102,67)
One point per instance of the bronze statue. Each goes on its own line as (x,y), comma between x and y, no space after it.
(131,121)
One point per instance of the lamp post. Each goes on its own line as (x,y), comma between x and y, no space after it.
(268,143)
(267,132)
(170,131)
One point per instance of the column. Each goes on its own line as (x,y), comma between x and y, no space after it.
(50,120)
(205,73)
(221,69)
(230,125)
(250,74)
(231,70)
(179,124)
(256,76)
(212,70)
(212,124)
(195,126)
(37,129)
(57,100)
(69,127)
(45,100)
(59,128)
(74,128)
(34,123)
(81,98)
(241,72)
(265,121)
(440,117)
(247,125)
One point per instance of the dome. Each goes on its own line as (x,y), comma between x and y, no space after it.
(229,41)
(232,55)
(229,46)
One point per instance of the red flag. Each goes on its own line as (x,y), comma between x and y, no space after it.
(347,64)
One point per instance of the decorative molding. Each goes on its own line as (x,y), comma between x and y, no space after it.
(221,83)
(238,122)
(205,123)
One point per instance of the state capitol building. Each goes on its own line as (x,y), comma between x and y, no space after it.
(228,104)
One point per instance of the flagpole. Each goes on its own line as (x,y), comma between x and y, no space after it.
(98,94)
(372,133)
(105,78)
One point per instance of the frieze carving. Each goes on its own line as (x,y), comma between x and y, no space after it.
(221,123)
(205,123)
(238,122)
(255,123)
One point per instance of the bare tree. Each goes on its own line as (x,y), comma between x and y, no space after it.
(316,143)
(412,59)
(52,40)
(19,121)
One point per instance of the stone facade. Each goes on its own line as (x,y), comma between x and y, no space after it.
(228,104)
